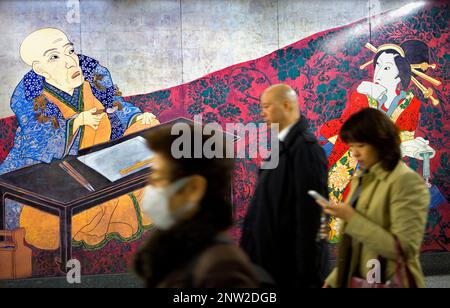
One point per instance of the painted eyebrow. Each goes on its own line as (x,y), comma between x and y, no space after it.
(52,49)
(49,51)
(384,62)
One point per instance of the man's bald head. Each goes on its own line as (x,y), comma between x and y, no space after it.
(50,53)
(279,105)
(280,93)
(38,42)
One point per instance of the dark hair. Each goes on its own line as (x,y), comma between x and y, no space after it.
(168,250)
(375,128)
(416,52)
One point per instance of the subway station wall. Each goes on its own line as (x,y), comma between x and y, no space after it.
(158,53)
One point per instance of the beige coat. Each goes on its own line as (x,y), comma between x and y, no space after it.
(391,203)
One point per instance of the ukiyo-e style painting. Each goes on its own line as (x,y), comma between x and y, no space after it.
(68,102)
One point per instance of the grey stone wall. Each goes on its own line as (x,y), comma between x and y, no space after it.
(155,44)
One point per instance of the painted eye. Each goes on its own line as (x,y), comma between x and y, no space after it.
(387,68)
(53,57)
(71,51)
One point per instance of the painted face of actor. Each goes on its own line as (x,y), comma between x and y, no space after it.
(386,71)
(52,56)
(364,153)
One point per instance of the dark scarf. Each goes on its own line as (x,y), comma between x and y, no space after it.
(167,251)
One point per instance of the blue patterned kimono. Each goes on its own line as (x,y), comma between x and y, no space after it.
(37,140)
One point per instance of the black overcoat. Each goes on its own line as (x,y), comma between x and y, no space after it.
(280,230)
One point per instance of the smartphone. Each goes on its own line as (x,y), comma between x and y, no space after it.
(317,196)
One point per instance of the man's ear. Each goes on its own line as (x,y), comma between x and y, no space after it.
(287,105)
(195,189)
(37,68)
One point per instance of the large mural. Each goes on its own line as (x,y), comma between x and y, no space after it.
(398,63)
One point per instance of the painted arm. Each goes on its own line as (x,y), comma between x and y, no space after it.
(38,137)
(125,112)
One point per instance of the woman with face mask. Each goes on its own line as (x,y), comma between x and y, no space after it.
(186,201)
(385,213)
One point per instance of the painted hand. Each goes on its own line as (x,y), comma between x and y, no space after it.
(146,118)
(416,147)
(89,118)
(374,90)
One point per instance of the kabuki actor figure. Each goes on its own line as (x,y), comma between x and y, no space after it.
(65,103)
(395,68)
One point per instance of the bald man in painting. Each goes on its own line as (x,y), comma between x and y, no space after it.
(281,229)
(65,103)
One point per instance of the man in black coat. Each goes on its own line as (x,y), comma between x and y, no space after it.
(281,231)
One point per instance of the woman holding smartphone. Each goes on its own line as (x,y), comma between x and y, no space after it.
(385,213)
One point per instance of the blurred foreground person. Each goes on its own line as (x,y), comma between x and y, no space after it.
(187,204)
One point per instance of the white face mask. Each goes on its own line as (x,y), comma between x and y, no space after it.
(156,203)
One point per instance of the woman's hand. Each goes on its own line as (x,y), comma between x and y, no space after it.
(342,210)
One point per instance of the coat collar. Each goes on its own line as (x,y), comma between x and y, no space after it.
(300,127)
(283,133)
(376,171)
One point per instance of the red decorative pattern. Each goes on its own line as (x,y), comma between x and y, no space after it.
(8,127)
